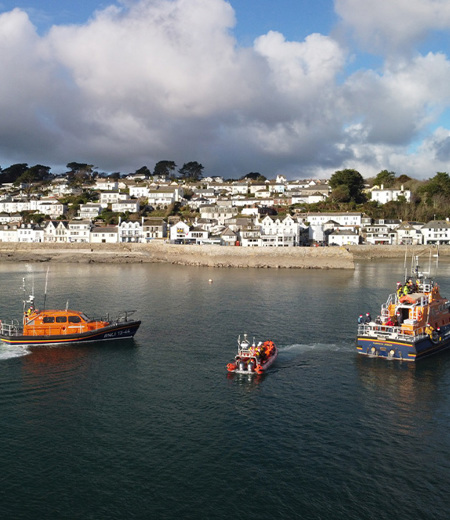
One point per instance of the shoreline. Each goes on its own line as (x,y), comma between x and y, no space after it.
(207,256)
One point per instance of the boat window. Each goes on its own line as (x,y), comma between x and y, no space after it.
(48,319)
(61,319)
(74,319)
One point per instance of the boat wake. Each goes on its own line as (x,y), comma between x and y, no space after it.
(12,352)
(304,347)
(301,354)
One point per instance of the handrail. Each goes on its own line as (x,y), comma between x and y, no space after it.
(390,332)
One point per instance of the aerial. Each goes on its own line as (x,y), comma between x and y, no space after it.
(292,87)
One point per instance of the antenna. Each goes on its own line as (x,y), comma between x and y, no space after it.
(404,263)
(45,291)
(437,258)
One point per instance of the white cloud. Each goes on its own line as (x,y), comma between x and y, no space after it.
(156,80)
(393,25)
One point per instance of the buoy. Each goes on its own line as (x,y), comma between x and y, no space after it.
(210,281)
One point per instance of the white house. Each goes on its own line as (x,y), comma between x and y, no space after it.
(409,233)
(219,213)
(106,184)
(164,196)
(130,205)
(343,219)
(279,231)
(109,197)
(140,190)
(250,235)
(379,234)
(16,206)
(436,232)
(383,195)
(56,231)
(30,233)
(183,233)
(104,235)
(6,218)
(154,227)
(179,232)
(343,237)
(51,207)
(90,210)
(130,231)
(239,188)
(79,231)
(8,232)
(228,237)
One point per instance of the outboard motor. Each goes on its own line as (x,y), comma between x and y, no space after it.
(241,365)
(251,366)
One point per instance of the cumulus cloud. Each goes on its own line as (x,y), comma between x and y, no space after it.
(155,79)
(396,26)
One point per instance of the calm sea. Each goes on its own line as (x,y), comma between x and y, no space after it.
(155,427)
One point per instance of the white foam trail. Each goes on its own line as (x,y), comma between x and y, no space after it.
(303,347)
(12,352)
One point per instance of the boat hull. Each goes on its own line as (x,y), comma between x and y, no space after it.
(115,331)
(264,366)
(385,348)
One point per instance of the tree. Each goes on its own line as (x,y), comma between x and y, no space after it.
(385,178)
(13,172)
(254,176)
(80,173)
(191,171)
(439,184)
(351,179)
(164,168)
(402,179)
(341,193)
(143,171)
(36,173)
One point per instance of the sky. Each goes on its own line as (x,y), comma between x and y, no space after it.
(301,88)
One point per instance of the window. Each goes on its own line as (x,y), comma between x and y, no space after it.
(48,319)
(61,319)
(74,319)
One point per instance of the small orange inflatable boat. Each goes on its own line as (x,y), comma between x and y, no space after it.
(253,358)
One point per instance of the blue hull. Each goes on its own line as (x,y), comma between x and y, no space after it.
(398,349)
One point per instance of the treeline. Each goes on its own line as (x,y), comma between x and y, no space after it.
(429,198)
(80,173)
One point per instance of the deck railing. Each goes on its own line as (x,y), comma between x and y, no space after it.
(390,332)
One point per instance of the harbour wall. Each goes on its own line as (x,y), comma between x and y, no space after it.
(209,256)
(155,251)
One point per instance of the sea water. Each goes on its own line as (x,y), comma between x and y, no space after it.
(155,427)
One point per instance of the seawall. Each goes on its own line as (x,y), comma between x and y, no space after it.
(209,256)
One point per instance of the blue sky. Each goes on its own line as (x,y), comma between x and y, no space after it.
(294,86)
(295,18)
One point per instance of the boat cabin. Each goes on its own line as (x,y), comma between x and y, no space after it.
(58,322)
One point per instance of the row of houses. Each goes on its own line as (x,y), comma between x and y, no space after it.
(339,229)
(84,231)
(128,195)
